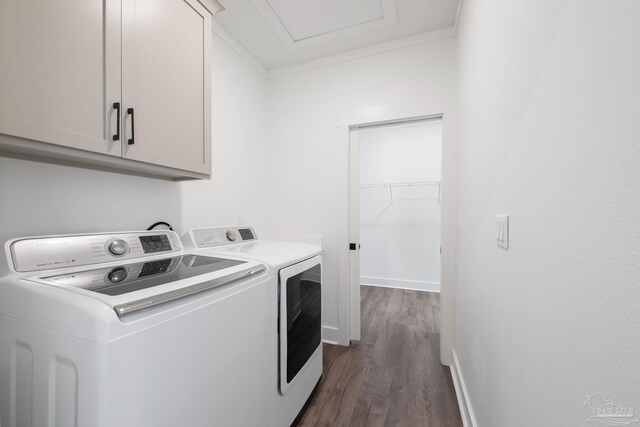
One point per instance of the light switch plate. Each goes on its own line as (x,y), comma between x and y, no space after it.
(502,232)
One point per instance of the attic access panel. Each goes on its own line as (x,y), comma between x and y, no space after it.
(307,23)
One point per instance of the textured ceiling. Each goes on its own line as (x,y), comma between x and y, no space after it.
(284,32)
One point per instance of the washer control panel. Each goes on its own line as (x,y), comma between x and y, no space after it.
(155,243)
(117,247)
(220,236)
(45,253)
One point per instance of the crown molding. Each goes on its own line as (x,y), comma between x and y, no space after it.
(213,6)
(376,49)
(238,49)
(456,23)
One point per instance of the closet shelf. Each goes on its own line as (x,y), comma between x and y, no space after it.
(401,184)
(401,191)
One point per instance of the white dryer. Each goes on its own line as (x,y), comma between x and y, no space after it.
(127,329)
(295,270)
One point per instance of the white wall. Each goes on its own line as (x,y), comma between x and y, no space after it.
(39,198)
(404,152)
(400,224)
(549,134)
(309,114)
(237,193)
(296,184)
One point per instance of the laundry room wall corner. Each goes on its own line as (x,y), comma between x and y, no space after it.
(309,115)
(236,194)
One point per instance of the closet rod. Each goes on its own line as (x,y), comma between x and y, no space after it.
(401,184)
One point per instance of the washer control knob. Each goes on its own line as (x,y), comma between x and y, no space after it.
(231,236)
(118,247)
(117,275)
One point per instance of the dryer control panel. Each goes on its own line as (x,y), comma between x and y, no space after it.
(221,236)
(46,253)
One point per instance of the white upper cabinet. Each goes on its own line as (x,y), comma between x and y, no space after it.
(60,72)
(165,83)
(119,84)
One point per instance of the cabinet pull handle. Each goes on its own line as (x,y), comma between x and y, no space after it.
(116,106)
(131,140)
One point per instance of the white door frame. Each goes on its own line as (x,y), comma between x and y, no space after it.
(354,215)
(354,235)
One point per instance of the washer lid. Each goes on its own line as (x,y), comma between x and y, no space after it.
(139,285)
(133,277)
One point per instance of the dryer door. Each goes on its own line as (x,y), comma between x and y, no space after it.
(300,325)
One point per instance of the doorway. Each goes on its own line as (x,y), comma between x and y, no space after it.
(395,208)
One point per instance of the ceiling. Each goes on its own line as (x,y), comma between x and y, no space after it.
(278,33)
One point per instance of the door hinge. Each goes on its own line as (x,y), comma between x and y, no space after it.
(354,246)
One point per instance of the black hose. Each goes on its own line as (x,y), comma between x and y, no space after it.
(160,223)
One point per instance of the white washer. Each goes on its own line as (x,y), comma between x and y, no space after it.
(126,329)
(295,270)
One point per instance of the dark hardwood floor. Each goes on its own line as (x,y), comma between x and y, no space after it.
(393,376)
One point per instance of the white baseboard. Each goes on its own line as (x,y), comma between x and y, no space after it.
(466,411)
(413,285)
(330,335)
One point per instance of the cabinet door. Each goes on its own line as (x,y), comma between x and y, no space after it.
(166,82)
(60,71)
